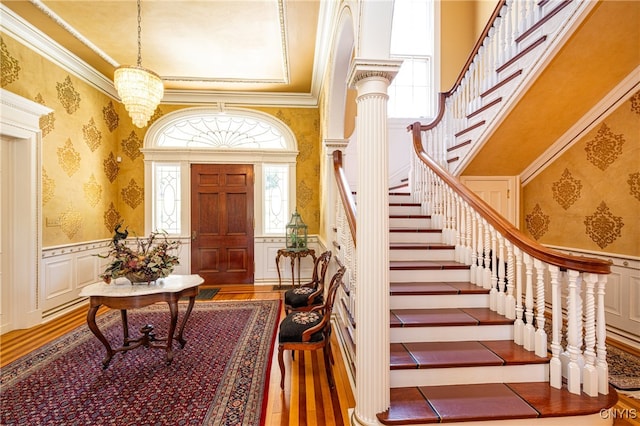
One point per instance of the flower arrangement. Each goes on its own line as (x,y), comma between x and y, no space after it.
(149,259)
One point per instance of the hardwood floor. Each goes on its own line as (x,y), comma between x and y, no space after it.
(306,399)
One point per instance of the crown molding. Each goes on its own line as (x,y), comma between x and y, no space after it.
(37,41)
(202,97)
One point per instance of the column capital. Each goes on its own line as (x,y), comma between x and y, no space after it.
(367,68)
(331,145)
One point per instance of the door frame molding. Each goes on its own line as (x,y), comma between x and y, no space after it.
(20,119)
(187,156)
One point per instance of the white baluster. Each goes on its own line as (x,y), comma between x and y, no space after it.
(486,271)
(493,293)
(460,228)
(529,331)
(500,308)
(573,349)
(541,334)
(480,250)
(590,375)
(555,365)
(473,271)
(468,238)
(601,334)
(510,301)
(518,325)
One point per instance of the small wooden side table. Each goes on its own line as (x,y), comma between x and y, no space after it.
(123,295)
(293,254)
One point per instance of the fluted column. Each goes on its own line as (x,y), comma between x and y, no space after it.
(371,79)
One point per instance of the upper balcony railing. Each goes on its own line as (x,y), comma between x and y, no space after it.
(507,55)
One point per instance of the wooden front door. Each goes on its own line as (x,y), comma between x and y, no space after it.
(222,223)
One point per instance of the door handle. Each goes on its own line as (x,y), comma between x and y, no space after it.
(194,234)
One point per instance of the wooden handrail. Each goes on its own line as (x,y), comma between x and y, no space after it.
(501,225)
(345,193)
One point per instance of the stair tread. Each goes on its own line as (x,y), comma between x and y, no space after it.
(446,317)
(426,288)
(423,355)
(420,246)
(426,265)
(424,230)
(488,401)
(409,216)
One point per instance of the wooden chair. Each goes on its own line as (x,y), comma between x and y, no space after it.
(310,330)
(310,294)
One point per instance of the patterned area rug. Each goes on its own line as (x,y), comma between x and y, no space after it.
(218,378)
(624,370)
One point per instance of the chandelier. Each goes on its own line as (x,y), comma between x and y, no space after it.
(139,89)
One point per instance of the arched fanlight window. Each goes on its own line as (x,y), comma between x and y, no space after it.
(207,135)
(222,131)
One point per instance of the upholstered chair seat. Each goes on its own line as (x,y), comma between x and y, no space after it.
(295,324)
(309,294)
(310,329)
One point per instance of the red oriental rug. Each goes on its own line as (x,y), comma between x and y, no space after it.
(220,377)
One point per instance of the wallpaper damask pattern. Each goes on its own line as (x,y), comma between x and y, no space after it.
(566,191)
(111,168)
(603,227)
(92,191)
(68,158)
(590,195)
(92,136)
(133,194)
(634,185)
(110,116)
(10,65)
(131,146)
(48,187)
(68,96)
(537,222)
(47,122)
(111,217)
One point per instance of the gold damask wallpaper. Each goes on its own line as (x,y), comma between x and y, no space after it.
(92,168)
(589,198)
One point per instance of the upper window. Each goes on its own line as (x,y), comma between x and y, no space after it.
(412,93)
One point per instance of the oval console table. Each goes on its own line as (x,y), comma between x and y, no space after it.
(123,295)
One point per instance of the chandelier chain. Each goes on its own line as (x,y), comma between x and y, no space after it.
(139,34)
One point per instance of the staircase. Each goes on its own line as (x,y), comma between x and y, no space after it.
(452,358)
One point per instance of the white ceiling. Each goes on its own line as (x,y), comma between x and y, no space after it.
(209,46)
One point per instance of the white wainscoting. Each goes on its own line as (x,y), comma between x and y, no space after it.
(622,296)
(67,269)
(266,250)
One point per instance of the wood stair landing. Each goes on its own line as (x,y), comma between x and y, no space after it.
(488,401)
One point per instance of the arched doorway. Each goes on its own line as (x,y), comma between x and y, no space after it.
(195,160)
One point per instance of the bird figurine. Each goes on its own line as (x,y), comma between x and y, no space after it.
(119,235)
